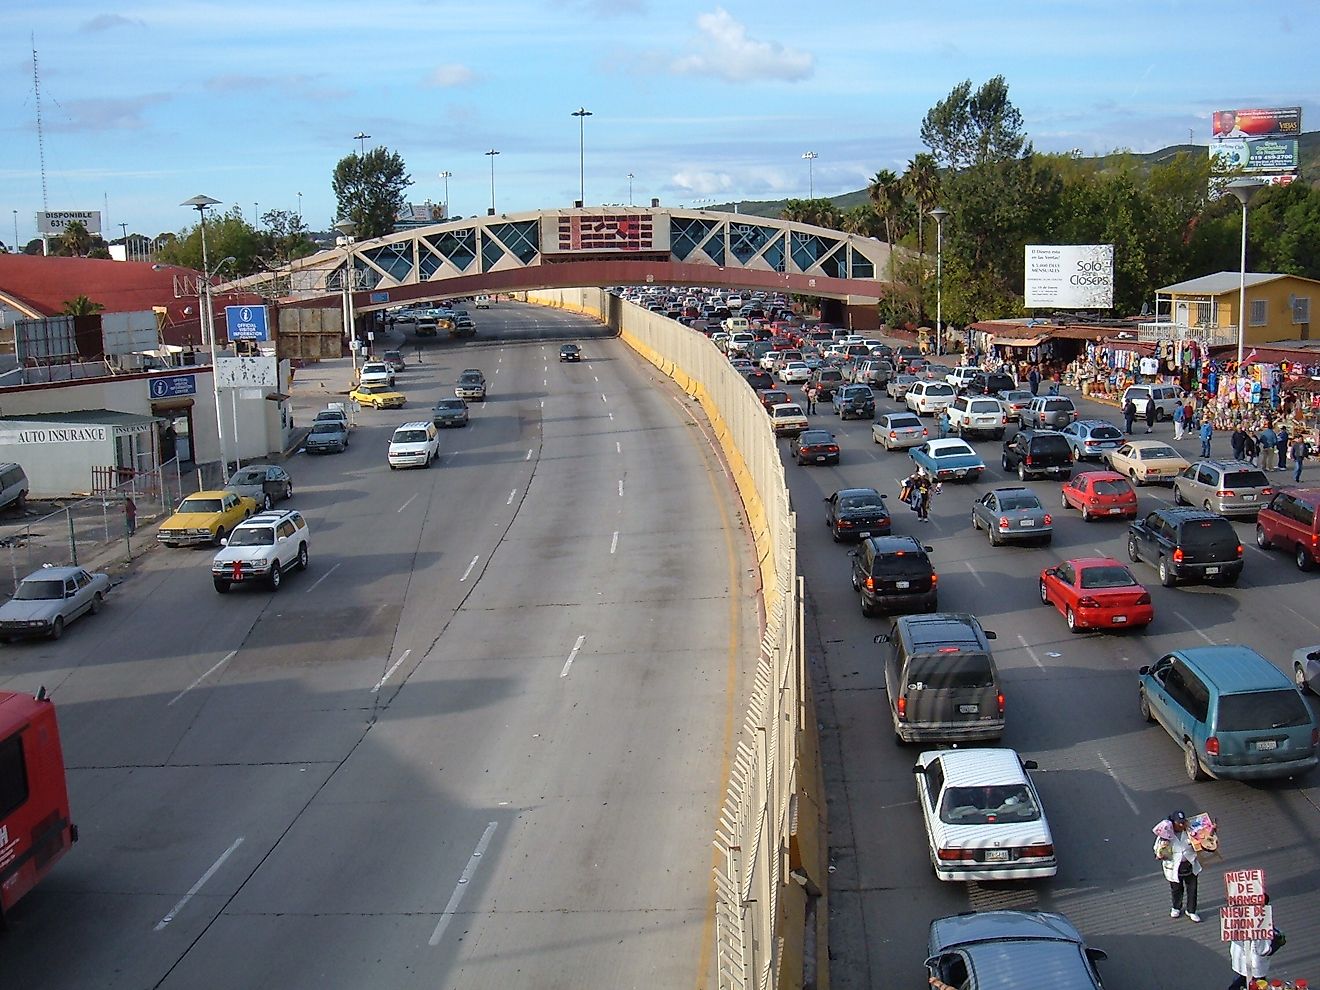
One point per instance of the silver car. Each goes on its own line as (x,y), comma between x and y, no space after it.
(49,599)
(898,431)
(898,386)
(265,484)
(1306,669)
(1231,488)
(1008,514)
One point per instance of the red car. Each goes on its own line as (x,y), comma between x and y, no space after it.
(1096,593)
(1100,495)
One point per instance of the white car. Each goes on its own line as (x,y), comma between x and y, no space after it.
(481,302)
(959,377)
(414,445)
(769,359)
(928,397)
(795,372)
(787,419)
(262,548)
(376,373)
(984,819)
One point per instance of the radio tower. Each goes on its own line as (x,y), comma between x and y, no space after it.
(41,139)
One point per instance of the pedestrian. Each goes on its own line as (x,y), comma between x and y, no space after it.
(944,423)
(1237,441)
(1179,420)
(1129,414)
(130,514)
(1250,958)
(1268,441)
(810,392)
(1298,453)
(1177,855)
(1282,447)
(1150,415)
(1250,449)
(1207,431)
(1033,380)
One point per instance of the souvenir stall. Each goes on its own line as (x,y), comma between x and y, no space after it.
(1263,389)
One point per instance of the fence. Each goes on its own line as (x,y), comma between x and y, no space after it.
(770,884)
(92,531)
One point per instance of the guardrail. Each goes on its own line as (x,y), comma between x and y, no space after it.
(770,883)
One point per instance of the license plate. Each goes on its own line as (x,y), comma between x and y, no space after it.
(1212,570)
(1115,512)
(968,709)
(864,534)
(1027,522)
(902,584)
(1248,498)
(961,472)
(820,458)
(1268,744)
(996,855)
(1119,619)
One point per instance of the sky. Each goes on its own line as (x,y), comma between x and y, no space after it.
(145,104)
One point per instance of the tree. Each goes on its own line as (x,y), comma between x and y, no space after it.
(227,236)
(885,190)
(76,241)
(860,220)
(921,182)
(81,306)
(369,190)
(967,128)
(285,237)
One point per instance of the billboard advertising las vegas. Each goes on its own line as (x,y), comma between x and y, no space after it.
(1070,276)
(1286,121)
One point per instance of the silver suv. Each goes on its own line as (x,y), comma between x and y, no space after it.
(1230,488)
(262,548)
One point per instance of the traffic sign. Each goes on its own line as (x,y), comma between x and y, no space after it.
(172,386)
(246,323)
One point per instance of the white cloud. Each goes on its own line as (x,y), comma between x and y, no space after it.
(737,181)
(724,49)
(451,74)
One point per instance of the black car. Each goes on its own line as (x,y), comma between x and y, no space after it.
(450,412)
(570,352)
(893,574)
(814,447)
(854,513)
(1187,544)
(1036,452)
(759,379)
(989,383)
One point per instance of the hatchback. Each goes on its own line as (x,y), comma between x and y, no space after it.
(1088,439)
(1096,593)
(1099,495)
(1231,488)
(1291,522)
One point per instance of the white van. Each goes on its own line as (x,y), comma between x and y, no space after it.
(481,302)
(414,445)
(1166,397)
(13,486)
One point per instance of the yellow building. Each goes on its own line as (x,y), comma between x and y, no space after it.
(1278,308)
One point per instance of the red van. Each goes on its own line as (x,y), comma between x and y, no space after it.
(1291,522)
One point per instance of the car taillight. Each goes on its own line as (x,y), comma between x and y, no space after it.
(1267,491)
(901,708)
(1003,522)
(999,698)
(1087,602)
(1040,850)
(1049,520)
(1225,493)
(954,855)
(1027,459)
(934,580)
(1003,420)
(893,435)
(1144,599)
(1177,555)
(1212,746)
(1239,549)
(925,433)
(870,584)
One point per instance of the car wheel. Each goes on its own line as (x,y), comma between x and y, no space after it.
(219,535)
(1166,573)
(97,601)
(1191,763)
(57,629)
(1206,505)
(1132,550)
(266,502)
(1159,416)
(1302,558)
(834,534)
(276,577)
(302,557)
(874,438)
(1299,678)
(1132,473)
(1071,618)
(993,536)
(1143,705)
(1003,461)
(1262,540)
(221,586)
(1178,496)
(1044,593)
(867,611)
(1022,472)
(1086,514)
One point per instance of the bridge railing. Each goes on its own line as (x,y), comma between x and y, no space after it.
(770,881)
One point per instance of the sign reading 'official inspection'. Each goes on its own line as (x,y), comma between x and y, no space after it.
(1070,276)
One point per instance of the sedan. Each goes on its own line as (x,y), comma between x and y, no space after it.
(378,397)
(1144,461)
(1088,439)
(1014,402)
(1100,495)
(946,460)
(1096,593)
(984,819)
(263,483)
(795,373)
(327,436)
(814,447)
(49,599)
(989,950)
(450,412)
(899,430)
(570,352)
(856,513)
(1012,514)
(898,386)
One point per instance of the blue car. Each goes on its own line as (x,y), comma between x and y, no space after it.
(990,950)
(948,460)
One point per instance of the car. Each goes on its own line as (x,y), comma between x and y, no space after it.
(49,599)
(970,414)
(570,352)
(1146,461)
(984,818)
(378,397)
(334,412)
(948,460)
(1089,439)
(794,372)
(376,373)
(1096,593)
(769,360)
(825,380)
(394,360)
(414,445)
(926,398)
(327,436)
(450,412)
(1037,452)
(1099,495)
(856,513)
(990,383)
(1166,397)
(759,379)
(1008,514)
(742,365)
(959,377)
(771,397)
(787,419)
(1231,488)
(1049,412)
(853,402)
(990,950)
(265,484)
(1186,544)
(894,574)
(471,385)
(899,430)
(1306,668)
(205,517)
(897,386)
(263,548)
(814,447)
(481,302)
(875,372)
(1015,402)
(1291,521)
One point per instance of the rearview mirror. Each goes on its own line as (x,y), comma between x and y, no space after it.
(989,634)
(919,770)
(1144,669)
(825,499)
(224,541)
(880,638)
(1097,955)
(852,553)
(883,495)
(932,550)
(1029,765)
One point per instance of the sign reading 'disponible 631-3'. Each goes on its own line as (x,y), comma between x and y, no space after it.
(1070,276)
(246,323)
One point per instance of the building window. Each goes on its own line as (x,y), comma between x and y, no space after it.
(1301,309)
(1258,312)
(1204,316)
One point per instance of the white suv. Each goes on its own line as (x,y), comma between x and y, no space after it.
(376,373)
(959,377)
(262,548)
(925,398)
(414,445)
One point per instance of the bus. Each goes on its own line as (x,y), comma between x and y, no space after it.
(35,829)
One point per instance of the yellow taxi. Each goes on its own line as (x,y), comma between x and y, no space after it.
(205,518)
(378,397)
(1145,461)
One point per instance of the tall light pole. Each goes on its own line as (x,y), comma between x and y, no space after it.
(939,213)
(630,202)
(201,204)
(256,217)
(811,157)
(347,228)
(447,175)
(361,139)
(582,113)
(300,209)
(1243,191)
(16,247)
(491,155)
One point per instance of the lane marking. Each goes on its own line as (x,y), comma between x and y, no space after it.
(1030,652)
(381,683)
(174,911)
(614,541)
(1192,626)
(405,504)
(979,580)
(618,447)
(333,568)
(611,417)
(602,397)
(220,663)
(573,655)
(597,379)
(461,887)
(1127,795)
(497,371)
(545,382)
(509,500)
(620,488)
(471,565)
(543,403)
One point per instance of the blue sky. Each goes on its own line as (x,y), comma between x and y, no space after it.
(148,103)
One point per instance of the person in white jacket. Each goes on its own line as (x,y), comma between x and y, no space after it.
(1181,866)
(1250,960)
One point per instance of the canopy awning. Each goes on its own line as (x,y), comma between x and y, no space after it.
(1017,341)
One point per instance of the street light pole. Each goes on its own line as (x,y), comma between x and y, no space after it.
(811,157)
(16,247)
(347,228)
(939,213)
(361,139)
(630,201)
(582,113)
(491,155)
(300,209)
(201,204)
(1243,191)
(447,175)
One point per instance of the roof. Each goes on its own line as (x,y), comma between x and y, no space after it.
(90,417)
(1237,668)
(949,442)
(1084,562)
(942,628)
(978,767)
(1221,283)
(983,926)
(54,573)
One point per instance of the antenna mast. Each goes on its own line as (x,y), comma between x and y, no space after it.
(41,138)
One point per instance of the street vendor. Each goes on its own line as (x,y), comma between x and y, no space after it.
(1178,856)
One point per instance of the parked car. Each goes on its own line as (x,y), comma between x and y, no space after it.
(1096,593)
(1291,522)
(1011,514)
(1306,668)
(1146,461)
(925,398)
(265,484)
(894,574)
(814,447)
(450,412)
(49,599)
(1050,412)
(948,460)
(1185,545)
(854,402)
(13,486)
(856,513)
(989,950)
(899,430)
(1099,495)
(1231,488)
(1037,452)
(205,517)
(787,419)
(970,415)
(263,548)
(1089,439)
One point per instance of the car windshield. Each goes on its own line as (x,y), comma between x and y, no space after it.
(1107,576)
(327,427)
(410,436)
(951,671)
(1259,711)
(471,379)
(248,476)
(1157,453)
(200,505)
(445,404)
(39,591)
(1025,500)
(988,804)
(856,502)
(958,451)
(1245,479)
(1111,487)
(252,536)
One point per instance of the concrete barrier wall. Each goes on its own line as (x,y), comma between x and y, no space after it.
(770,882)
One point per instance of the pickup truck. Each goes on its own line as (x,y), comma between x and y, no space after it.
(376,373)
(854,401)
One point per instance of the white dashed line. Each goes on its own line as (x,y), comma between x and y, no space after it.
(461,887)
(614,541)
(603,398)
(227,657)
(572,655)
(381,683)
(979,580)
(497,371)
(174,911)
(405,504)
(597,379)
(529,454)
(620,488)
(543,403)
(509,500)
(1127,796)
(333,568)
(471,565)
(611,417)
(1030,652)
(545,382)
(1193,627)
(618,447)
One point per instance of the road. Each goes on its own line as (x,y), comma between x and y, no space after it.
(1106,776)
(480,743)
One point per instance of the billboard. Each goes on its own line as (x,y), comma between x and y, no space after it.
(1256,155)
(604,233)
(246,372)
(53,224)
(1256,123)
(1070,276)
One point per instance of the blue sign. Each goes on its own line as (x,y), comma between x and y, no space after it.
(172,386)
(246,323)
(379,297)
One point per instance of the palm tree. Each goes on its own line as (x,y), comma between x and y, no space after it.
(75,240)
(81,306)
(886,192)
(922,182)
(857,220)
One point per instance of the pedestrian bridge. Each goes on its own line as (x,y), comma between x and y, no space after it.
(595,246)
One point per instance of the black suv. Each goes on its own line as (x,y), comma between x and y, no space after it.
(1187,544)
(893,574)
(856,512)
(825,381)
(989,383)
(1035,452)
(759,379)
